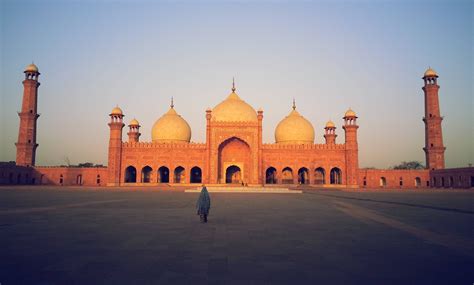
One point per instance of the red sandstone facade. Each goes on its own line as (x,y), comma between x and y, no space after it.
(233,153)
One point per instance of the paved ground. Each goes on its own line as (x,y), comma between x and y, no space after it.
(91,236)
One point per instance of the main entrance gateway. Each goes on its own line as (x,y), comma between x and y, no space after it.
(233,174)
(234,161)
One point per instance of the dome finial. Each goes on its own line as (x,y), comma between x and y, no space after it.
(233,84)
(294,104)
(172,103)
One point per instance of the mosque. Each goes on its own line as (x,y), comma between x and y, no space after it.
(233,152)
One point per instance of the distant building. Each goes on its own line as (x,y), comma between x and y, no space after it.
(233,152)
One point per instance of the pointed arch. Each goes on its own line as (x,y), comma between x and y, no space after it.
(319,176)
(233,174)
(146,174)
(196,175)
(417,182)
(226,158)
(163,175)
(303,176)
(179,175)
(130,174)
(336,176)
(287,175)
(271,175)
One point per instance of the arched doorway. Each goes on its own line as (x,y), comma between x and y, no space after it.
(130,174)
(179,175)
(271,176)
(233,174)
(146,174)
(79,179)
(303,177)
(417,182)
(163,175)
(383,182)
(336,176)
(234,152)
(319,176)
(287,176)
(196,175)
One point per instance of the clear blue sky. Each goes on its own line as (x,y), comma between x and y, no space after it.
(329,56)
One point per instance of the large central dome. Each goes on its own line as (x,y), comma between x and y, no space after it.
(234,109)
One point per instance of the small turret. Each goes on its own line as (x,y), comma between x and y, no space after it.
(134,131)
(330,133)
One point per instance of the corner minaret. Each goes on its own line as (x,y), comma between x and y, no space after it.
(115,147)
(330,133)
(434,148)
(134,131)
(26,145)
(352,149)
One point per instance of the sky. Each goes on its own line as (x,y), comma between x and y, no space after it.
(328,55)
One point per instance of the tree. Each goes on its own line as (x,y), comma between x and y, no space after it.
(409,165)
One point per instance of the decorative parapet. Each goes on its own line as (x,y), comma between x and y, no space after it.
(275,146)
(233,124)
(183,145)
(69,167)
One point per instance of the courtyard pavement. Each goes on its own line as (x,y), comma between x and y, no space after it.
(60,235)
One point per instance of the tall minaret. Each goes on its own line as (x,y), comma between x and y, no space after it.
(352,148)
(115,147)
(26,145)
(434,148)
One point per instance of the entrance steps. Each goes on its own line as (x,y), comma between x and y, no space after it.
(244,189)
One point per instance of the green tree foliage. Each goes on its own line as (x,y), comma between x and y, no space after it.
(409,165)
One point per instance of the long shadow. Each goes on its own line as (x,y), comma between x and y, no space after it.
(398,203)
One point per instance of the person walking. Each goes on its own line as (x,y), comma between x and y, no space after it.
(203,204)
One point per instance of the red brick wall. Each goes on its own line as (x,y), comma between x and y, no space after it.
(392,178)
(452,178)
(94,176)
(16,175)
(154,155)
(308,156)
